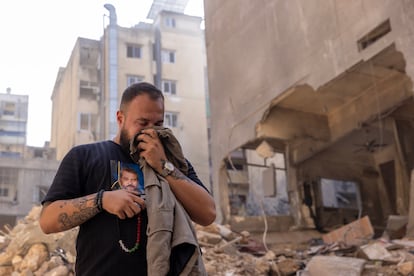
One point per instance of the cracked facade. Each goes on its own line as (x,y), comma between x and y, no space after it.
(312,111)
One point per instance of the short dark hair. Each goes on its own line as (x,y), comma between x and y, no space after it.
(137,89)
(128,169)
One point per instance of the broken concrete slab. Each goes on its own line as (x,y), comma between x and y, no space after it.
(396,227)
(406,268)
(376,251)
(354,233)
(333,265)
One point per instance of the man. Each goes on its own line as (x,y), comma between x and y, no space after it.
(128,179)
(80,194)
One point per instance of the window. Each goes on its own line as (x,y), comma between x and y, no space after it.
(169,87)
(275,175)
(374,35)
(236,160)
(133,51)
(8,179)
(38,153)
(170,119)
(131,79)
(169,22)
(167,56)
(87,121)
(88,90)
(8,108)
(340,194)
(4,191)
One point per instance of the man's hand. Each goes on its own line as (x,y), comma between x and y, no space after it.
(151,148)
(122,203)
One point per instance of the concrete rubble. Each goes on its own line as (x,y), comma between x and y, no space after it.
(26,251)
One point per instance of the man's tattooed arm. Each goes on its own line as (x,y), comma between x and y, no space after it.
(83,209)
(71,212)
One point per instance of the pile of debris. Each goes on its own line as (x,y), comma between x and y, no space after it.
(353,253)
(26,250)
(349,250)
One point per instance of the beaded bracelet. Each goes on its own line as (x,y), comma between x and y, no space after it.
(98,200)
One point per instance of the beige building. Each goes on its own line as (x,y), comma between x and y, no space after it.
(312,111)
(169,52)
(76,99)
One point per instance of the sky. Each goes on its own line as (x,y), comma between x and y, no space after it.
(37,38)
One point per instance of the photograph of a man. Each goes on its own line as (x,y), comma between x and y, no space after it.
(128,179)
(126,176)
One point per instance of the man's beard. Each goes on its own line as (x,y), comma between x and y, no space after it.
(124,140)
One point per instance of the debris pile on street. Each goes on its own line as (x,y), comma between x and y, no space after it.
(348,250)
(26,250)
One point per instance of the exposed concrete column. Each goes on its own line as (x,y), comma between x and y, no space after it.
(402,175)
(293,194)
(221,196)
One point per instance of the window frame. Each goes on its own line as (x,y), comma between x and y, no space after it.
(170,22)
(9,178)
(172,87)
(168,56)
(173,121)
(89,123)
(135,52)
(136,79)
(9,108)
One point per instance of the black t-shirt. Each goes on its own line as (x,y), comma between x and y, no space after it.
(85,170)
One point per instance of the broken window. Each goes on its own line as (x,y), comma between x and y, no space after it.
(257,184)
(237,182)
(340,194)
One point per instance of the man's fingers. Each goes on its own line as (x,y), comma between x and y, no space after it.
(130,212)
(121,215)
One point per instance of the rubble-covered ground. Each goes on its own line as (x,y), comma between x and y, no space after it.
(26,251)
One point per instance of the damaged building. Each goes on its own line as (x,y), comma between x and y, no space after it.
(312,112)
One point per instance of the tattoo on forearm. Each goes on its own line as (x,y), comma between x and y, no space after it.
(177,174)
(84,208)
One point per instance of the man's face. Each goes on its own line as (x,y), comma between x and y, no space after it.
(142,112)
(129,180)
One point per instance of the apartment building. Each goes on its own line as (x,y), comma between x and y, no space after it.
(169,52)
(24,182)
(76,99)
(13,124)
(25,172)
(312,111)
